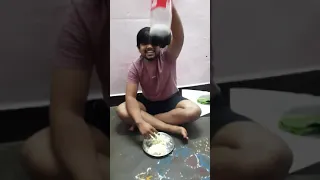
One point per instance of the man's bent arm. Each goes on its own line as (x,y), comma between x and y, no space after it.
(71,137)
(175,47)
(132,104)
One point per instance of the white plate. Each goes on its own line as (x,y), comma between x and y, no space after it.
(169,146)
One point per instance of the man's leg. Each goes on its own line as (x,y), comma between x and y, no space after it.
(242,149)
(186,111)
(153,121)
(41,164)
(124,115)
(245,150)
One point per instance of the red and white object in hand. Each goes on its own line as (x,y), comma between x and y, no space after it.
(161,17)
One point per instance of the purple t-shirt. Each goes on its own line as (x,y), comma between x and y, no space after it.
(157,78)
(84,41)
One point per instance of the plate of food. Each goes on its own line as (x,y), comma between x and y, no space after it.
(159,145)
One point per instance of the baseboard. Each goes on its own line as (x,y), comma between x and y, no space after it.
(19,124)
(299,82)
(116,100)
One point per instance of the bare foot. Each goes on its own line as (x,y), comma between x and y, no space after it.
(182,131)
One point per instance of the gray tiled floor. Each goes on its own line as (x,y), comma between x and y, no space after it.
(10,168)
(128,159)
(132,160)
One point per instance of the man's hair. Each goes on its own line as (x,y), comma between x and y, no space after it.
(143,36)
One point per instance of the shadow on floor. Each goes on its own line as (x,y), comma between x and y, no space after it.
(10,167)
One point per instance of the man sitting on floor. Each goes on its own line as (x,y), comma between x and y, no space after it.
(161,107)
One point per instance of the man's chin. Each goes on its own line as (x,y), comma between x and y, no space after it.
(150,58)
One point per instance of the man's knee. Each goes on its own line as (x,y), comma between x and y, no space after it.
(36,160)
(267,160)
(192,113)
(122,112)
(259,153)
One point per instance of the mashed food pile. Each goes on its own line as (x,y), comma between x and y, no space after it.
(158,145)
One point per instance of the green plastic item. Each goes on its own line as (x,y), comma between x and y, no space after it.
(301,120)
(300,124)
(204,99)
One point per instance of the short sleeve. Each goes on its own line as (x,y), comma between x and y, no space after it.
(72,46)
(166,55)
(133,75)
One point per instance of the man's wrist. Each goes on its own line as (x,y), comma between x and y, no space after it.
(139,122)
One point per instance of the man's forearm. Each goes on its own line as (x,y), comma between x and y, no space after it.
(134,109)
(74,146)
(176,24)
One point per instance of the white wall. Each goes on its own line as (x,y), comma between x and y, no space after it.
(28,34)
(249,37)
(261,38)
(193,63)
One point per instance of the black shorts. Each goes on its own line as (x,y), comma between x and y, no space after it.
(97,115)
(157,107)
(98,112)
(221,114)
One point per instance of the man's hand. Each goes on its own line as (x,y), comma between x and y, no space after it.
(146,129)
